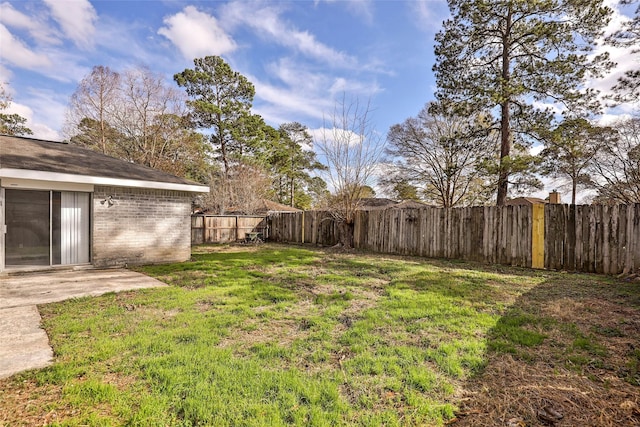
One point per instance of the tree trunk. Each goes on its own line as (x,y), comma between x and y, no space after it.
(505,149)
(505,128)
(346,234)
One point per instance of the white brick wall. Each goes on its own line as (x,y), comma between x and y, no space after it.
(140,227)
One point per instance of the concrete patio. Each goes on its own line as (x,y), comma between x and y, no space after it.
(23,344)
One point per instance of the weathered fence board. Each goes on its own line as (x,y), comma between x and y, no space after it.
(595,238)
(462,233)
(224,229)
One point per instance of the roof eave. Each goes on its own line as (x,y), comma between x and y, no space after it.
(100,180)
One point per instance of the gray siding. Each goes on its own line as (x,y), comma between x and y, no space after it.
(140,227)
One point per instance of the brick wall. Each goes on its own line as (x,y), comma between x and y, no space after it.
(141,226)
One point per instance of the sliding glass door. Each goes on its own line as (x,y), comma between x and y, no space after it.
(73,246)
(46,228)
(27,241)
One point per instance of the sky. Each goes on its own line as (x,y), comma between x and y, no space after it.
(301,55)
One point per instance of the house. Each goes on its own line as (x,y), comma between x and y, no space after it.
(528,201)
(410,204)
(554,198)
(268,207)
(64,205)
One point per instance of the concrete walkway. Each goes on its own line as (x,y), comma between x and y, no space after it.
(23,344)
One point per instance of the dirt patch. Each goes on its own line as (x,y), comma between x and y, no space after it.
(277,331)
(585,373)
(29,404)
(512,392)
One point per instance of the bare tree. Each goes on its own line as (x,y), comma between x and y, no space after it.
(351,149)
(616,170)
(148,117)
(242,189)
(441,155)
(94,100)
(137,117)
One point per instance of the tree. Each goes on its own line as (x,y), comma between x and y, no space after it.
(151,116)
(93,102)
(442,155)
(616,170)
(11,124)
(221,100)
(628,87)
(293,161)
(241,190)
(511,56)
(570,150)
(317,193)
(137,117)
(351,149)
(400,189)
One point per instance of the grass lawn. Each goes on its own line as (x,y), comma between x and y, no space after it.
(276,335)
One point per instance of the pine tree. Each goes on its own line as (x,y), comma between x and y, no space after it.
(515,56)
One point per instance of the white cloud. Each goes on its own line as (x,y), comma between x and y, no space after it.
(34,25)
(555,108)
(611,119)
(290,101)
(266,21)
(5,77)
(17,53)
(342,85)
(302,91)
(76,18)
(196,34)
(427,15)
(625,58)
(40,130)
(295,74)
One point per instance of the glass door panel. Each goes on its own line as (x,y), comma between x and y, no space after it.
(27,218)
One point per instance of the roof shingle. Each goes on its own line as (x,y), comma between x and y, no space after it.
(58,157)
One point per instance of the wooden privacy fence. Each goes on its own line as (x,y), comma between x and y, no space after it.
(317,227)
(597,239)
(225,228)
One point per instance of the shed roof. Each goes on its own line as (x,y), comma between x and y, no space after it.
(30,158)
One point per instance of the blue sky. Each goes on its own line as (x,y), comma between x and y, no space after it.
(300,55)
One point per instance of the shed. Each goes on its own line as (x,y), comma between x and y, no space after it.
(64,205)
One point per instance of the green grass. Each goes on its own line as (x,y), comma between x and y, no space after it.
(276,335)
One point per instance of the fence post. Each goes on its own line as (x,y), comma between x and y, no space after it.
(302,233)
(537,236)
